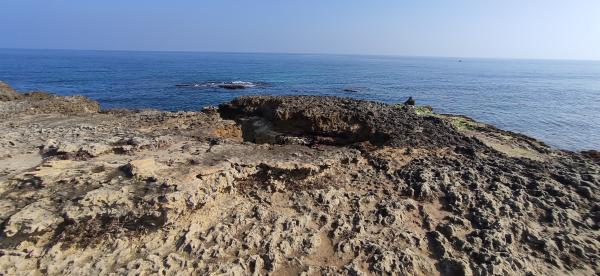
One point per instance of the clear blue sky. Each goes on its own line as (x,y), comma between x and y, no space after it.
(562,29)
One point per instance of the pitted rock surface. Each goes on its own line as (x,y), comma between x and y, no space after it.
(346,120)
(286,186)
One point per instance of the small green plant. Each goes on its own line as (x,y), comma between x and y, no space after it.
(423,109)
(462,123)
(418,109)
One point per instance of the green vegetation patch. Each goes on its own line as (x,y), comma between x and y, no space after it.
(420,110)
(462,123)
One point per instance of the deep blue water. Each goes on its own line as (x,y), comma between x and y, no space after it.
(555,101)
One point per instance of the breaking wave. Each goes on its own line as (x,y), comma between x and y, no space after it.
(231,85)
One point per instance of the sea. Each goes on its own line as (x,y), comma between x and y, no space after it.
(556,101)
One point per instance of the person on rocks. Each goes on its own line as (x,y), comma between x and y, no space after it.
(409,104)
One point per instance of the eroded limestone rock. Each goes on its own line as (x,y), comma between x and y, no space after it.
(337,186)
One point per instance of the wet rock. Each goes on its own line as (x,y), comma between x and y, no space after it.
(593,154)
(210,110)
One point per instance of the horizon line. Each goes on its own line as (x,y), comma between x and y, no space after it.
(302,53)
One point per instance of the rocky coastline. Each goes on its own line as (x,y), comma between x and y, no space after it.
(286,185)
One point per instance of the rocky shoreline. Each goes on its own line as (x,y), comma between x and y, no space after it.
(284,186)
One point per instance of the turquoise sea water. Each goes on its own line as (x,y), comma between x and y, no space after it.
(555,101)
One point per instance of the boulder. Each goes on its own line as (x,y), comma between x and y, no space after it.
(143,168)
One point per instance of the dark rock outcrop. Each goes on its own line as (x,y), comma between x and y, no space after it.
(345,120)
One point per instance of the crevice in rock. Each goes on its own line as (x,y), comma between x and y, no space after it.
(271,179)
(93,230)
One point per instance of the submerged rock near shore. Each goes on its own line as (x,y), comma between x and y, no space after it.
(284,186)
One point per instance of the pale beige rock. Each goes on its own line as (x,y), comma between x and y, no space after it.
(7,208)
(36,217)
(182,193)
(143,168)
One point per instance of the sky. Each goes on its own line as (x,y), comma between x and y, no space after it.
(546,29)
